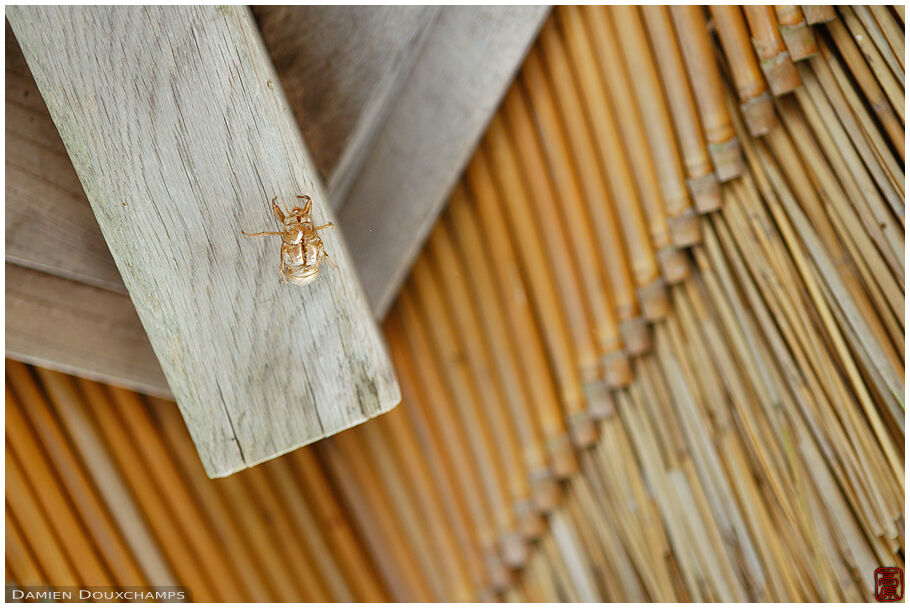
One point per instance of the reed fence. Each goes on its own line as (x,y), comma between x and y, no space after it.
(652,351)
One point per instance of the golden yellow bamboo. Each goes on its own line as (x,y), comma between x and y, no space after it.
(627,268)
(772,52)
(503,352)
(196,528)
(483,449)
(817,13)
(508,465)
(875,97)
(591,290)
(350,469)
(410,425)
(174,542)
(695,43)
(336,526)
(754,99)
(797,35)
(642,73)
(22,566)
(23,505)
(893,89)
(79,548)
(236,546)
(541,294)
(540,252)
(702,182)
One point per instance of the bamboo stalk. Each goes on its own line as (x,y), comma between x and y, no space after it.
(893,89)
(446,425)
(581,285)
(892,31)
(539,270)
(831,378)
(770,332)
(336,525)
(891,122)
(108,511)
(77,546)
(283,535)
(509,466)
(281,478)
(636,262)
(832,250)
(754,99)
(769,46)
(608,138)
(666,159)
(503,352)
(422,491)
(881,41)
(493,226)
(237,547)
(695,43)
(797,35)
(826,181)
(20,561)
(414,427)
(196,529)
(350,469)
(447,351)
(865,137)
(816,13)
(369,441)
(181,554)
(702,182)
(39,535)
(853,315)
(879,223)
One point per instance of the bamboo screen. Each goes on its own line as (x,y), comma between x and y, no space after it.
(653,350)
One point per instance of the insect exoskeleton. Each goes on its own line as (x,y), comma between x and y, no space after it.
(301,248)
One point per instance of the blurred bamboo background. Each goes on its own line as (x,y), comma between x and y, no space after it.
(652,351)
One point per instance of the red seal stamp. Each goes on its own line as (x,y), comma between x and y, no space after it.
(889,584)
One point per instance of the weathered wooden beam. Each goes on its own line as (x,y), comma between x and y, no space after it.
(79,329)
(343,69)
(469,59)
(180,133)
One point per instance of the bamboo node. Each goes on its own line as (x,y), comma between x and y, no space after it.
(759,114)
(684,227)
(728,159)
(636,336)
(781,73)
(705,193)
(674,263)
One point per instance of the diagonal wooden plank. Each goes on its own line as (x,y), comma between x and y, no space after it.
(468,61)
(180,132)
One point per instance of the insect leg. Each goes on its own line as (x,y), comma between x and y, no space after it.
(329,225)
(307,204)
(276,210)
(260,233)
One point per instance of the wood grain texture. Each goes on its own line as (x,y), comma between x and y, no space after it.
(341,67)
(437,119)
(180,133)
(43,193)
(79,329)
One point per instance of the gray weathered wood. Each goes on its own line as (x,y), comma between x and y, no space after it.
(79,329)
(343,68)
(469,59)
(180,133)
